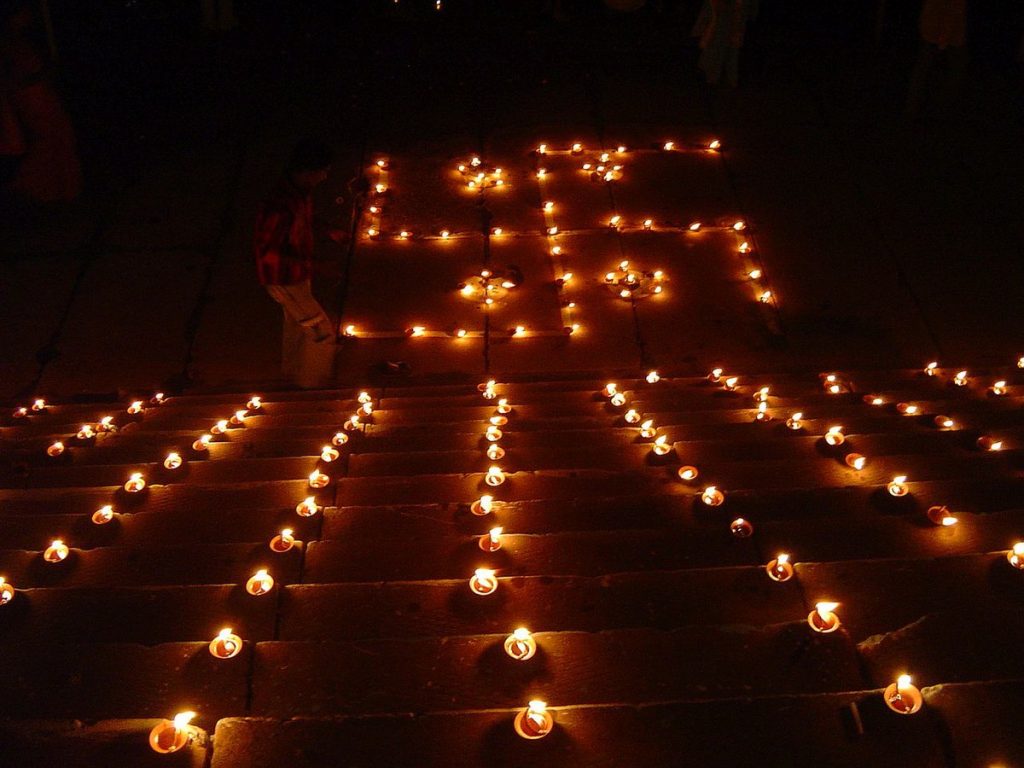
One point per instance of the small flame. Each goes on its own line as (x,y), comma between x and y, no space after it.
(183,718)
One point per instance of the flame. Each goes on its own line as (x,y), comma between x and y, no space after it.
(695,227)
(183,718)
(668,146)
(903,681)
(715,144)
(495,534)
(825,609)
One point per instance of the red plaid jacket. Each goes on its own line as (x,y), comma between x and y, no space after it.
(284,236)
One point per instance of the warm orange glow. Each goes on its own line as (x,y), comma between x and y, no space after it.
(56,552)
(534,722)
(7,591)
(226,644)
(903,697)
(307,507)
(741,528)
(135,408)
(318,479)
(834,436)
(898,486)
(56,448)
(856,461)
(999,387)
(38,405)
(648,429)
(1016,555)
(712,496)
(483,582)
(940,515)
(661,446)
(687,473)
(932,368)
(220,427)
(173,461)
(494,476)
(260,583)
(482,506)
(907,409)
(780,569)
(135,483)
(284,541)
(795,421)
(339,439)
(171,735)
(103,515)
(960,379)
(520,645)
(823,618)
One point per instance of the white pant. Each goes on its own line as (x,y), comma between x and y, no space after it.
(307,340)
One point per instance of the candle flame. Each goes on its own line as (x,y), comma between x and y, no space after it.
(183,718)
(903,681)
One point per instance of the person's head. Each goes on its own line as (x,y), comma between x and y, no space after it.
(309,163)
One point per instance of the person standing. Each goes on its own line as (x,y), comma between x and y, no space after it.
(284,264)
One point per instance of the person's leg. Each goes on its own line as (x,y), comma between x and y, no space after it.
(311,334)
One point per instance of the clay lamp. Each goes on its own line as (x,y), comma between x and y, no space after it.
(762,414)
(220,427)
(576,148)
(988,443)
(779,569)
(103,515)
(615,221)
(349,330)
(483,582)
(171,735)
(55,449)
(495,452)
(940,515)
(226,644)
(668,146)
(944,422)
(796,421)
(259,583)
(740,225)
(202,443)
(648,223)
(534,721)
(653,377)
(255,403)
(715,376)
(135,408)
(907,409)
(731,382)
(694,227)
(998,388)
(898,486)
(339,439)
(632,416)
(618,399)
(1016,555)
(283,542)
(19,413)
(173,460)
(610,389)
(6,591)
(238,419)
(482,506)
(57,552)
(960,379)
(761,396)
(135,483)
(158,398)
(832,384)
(106,424)
(367,408)
(493,434)
(765,297)
(903,697)
(487,390)
(38,405)
(498,421)
(875,400)
(745,247)
(520,645)
(834,436)
(307,507)
(754,274)
(318,479)
(741,528)
(329,453)
(351,423)
(823,619)
(648,430)
(503,406)
(363,398)
(661,446)
(494,476)
(491,541)
(1020,361)
(855,461)
(687,473)
(712,496)
(932,368)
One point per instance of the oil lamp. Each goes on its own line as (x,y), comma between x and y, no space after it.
(55,449)
(999,387)
(6,591)
(744,247)
(491,541)
(765,297)
(349,330)
(494,476)
(1020,361)
(739,226)
(576,148)
(907,409)
(823,619)
(661,446)
(404,234)
(653,377)
(795,421)
(898,486)
(38,405)
(618,399)
(519,330)
(712,496)
(715,376)
(497,231)
(940,515)
(855,461)
(754,274)
(339,439)
(255,403)
(171,735)
(498,421)
(495,452)
(103,515)
(903,697)
(367,408)
(238,419)
(520,645)
(614,221)
(417,330)
(741,528)
(695,227)
(542,149)
(19,413)
(173,460)
(482,506)
(503,407)
(318,479)
(56,552)
(632,416)
(731,382)
(875,400)
(762,414)
(779,569)
(1016,555)
(329,453)
(534,722)
(715,144)
(960,379)
(307,507)
(493,434)
(226,644)
(284,541)
(351,423)
(687,473)
(932,368)
(648,223)
(668,146)
(834,436)
(648,430)
(552,231)
(259,583)
(202,443)
(220,427)
(944,422)
(988,443)
(134,408)
(483,581)
(135,483)
(106,424)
